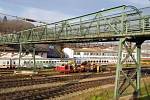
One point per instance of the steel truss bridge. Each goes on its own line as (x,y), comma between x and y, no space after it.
(126,24)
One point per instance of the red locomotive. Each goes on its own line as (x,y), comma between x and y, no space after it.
(65,68)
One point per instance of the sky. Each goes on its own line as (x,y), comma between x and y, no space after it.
(56,10)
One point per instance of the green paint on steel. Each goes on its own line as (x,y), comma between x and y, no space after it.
(20,51)
(138,80)
(107,25)
(99,26)
(121,86)
(118,68)
(34,62)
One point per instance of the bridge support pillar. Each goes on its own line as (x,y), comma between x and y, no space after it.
(20,51)
(24,50)
(34,62)
(125,79)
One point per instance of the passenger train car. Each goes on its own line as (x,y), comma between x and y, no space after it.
(42,62)
(7,62)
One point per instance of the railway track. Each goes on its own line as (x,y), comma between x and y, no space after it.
(43,80)
(56,91)
(53,92)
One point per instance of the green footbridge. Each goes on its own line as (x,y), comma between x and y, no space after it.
(126,24)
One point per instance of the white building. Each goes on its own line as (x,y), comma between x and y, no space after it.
(98,55)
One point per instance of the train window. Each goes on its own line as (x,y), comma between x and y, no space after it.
(79,61)
(46,61)
(7,62)
(40,61)
(49,61)
(133,55)
(14,62)
(3,62)
(24,62)
(107,54)
(124,55)
(43,61)
(103,54)
(78,53)
(31,61)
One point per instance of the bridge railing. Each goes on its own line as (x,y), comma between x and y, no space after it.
(102,24)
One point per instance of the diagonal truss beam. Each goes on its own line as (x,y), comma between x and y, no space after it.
(103,25)
(129,79)
(28,49)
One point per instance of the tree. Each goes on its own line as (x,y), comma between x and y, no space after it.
(4,19)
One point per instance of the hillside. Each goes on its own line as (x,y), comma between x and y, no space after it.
(14,25)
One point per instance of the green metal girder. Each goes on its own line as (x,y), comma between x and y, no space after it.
(30,48)
(99,25)
(129,78)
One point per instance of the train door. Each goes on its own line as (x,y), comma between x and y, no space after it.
(10,63)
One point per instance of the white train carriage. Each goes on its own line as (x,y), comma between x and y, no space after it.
(28,62)
(7,63)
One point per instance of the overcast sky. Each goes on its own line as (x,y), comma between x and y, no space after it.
(54,10)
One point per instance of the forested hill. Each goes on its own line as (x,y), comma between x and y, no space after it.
(13,25)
